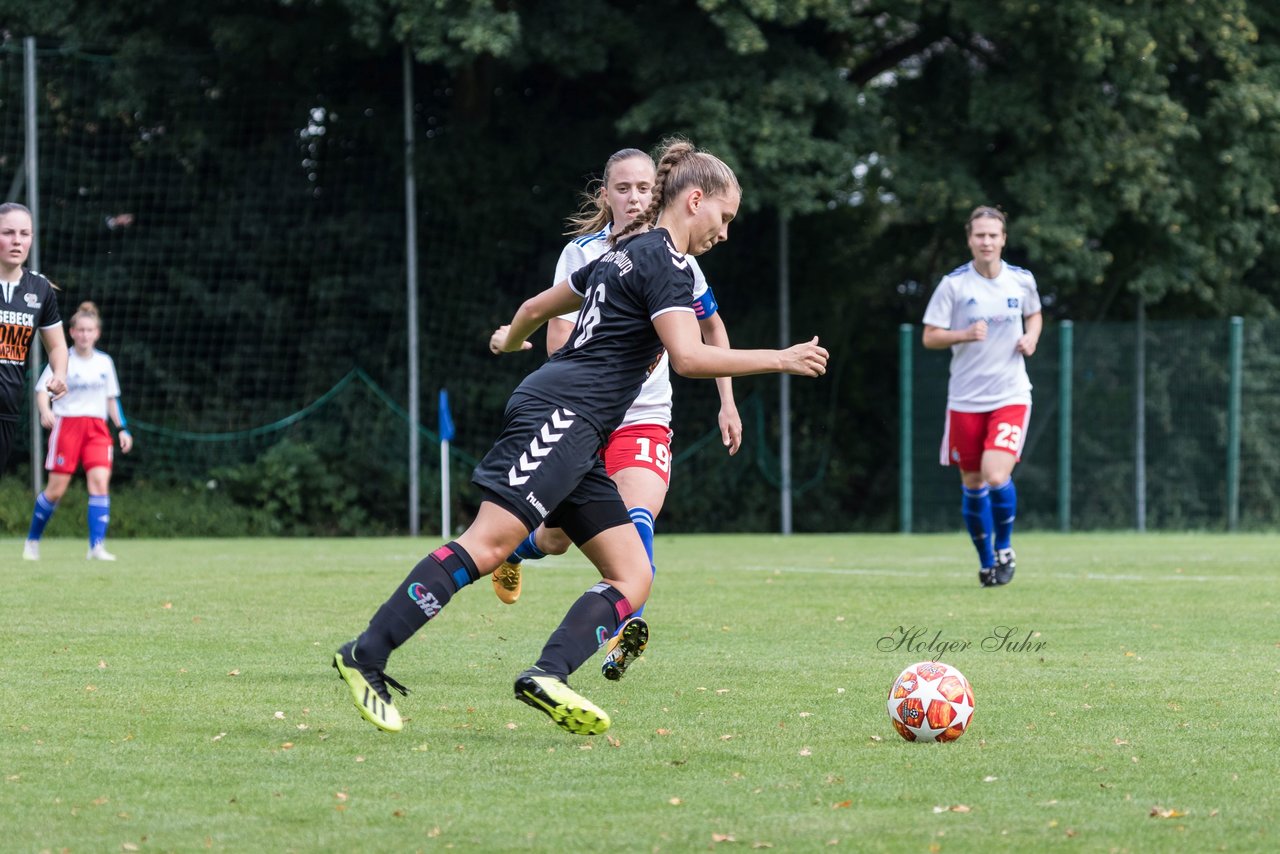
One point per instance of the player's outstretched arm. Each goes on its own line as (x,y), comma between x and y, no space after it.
(554,301)
(690,357)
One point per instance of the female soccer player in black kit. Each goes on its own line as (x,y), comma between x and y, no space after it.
(634,301)
(27,303)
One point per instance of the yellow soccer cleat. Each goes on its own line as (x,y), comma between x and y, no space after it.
(369,690)
(624,648)
(506,582)
(567,708)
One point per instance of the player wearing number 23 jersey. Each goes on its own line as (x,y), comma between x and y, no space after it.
(988,313)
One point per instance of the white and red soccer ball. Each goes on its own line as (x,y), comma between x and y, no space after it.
(931,701)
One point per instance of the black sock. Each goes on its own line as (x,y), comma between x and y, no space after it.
(591,621)
(423,593)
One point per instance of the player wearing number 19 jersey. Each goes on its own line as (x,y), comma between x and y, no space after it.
(988,313)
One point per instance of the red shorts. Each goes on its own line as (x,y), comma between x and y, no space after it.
(969,434)
(79,440)
(646,446)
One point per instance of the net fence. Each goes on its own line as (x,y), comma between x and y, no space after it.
(1145,450)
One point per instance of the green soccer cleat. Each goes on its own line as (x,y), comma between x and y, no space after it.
(567,708)
(624,648)
(369,689)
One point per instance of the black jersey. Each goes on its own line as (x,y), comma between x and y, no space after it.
(25,306)
(598,372)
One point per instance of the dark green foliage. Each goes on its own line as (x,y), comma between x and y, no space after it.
(294,491)
(1136,147)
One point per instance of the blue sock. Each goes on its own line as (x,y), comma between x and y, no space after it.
(1004,509)
(643,520)
(976,509)
(40,516)
(99,517)
(527,550)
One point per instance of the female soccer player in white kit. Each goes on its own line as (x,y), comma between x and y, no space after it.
(988,312)
(78,421)
(638,453)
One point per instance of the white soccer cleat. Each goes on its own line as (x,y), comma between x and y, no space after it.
(31,550)
(99,552)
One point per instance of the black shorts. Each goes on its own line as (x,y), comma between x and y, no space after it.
(545,456)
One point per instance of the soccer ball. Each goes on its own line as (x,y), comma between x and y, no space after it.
(931,701)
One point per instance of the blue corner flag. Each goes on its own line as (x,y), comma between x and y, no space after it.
(446,419)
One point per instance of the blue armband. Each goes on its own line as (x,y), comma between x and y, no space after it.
(705,305)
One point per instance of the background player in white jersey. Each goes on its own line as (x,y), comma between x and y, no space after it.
(27,303)
(636,301)
(988,313)
(638,453)
(79,434)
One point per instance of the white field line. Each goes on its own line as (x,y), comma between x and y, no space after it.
(1070,576)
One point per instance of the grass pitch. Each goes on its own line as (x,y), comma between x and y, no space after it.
(182,700)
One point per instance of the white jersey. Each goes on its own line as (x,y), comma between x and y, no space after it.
(653,404)
(985,375)
(91,382)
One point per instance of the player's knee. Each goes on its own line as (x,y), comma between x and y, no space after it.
(553,541)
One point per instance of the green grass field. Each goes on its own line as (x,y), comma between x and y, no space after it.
(182,700)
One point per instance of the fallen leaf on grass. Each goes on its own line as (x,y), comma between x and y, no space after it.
(675,802)
(220,736)
(804,751)
(278,716)
(1161,812)
(842,805)
(955,808)
(726,736)
(989,779)
(233,672)
(102,665)
(664,732)
(722,837)
(614,741)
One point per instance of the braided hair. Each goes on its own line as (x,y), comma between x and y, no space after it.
(680,167)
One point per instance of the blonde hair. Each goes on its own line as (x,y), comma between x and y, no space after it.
(594,212)
(985,212)
(87,311)
(680,167)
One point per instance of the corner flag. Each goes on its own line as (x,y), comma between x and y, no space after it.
(446,418)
